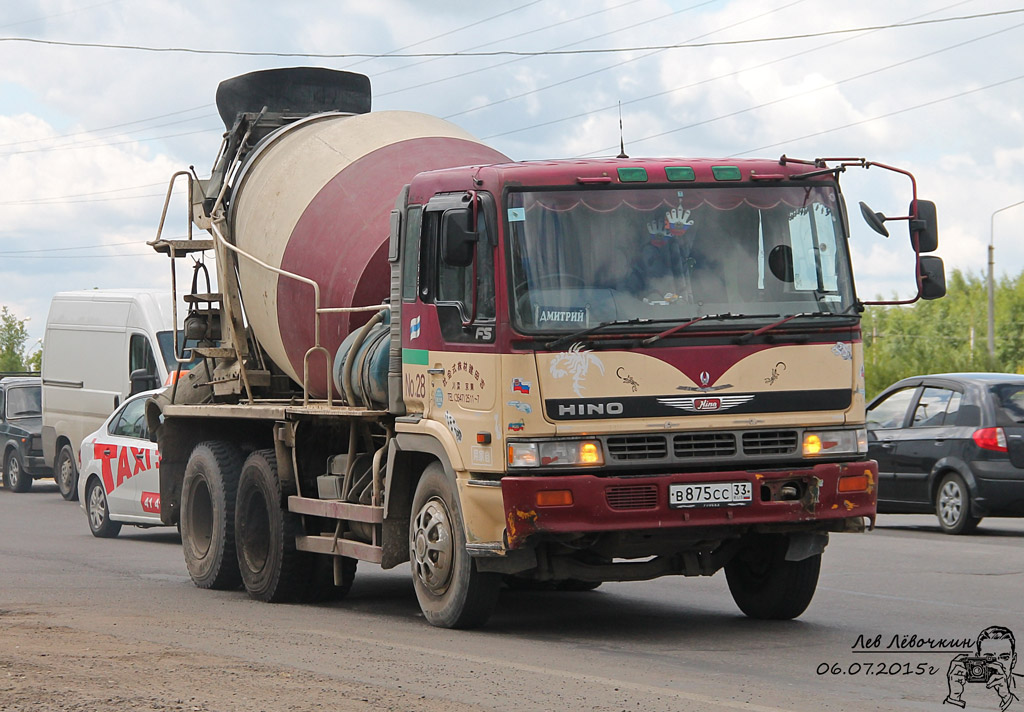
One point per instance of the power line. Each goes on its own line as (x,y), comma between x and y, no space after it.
(95,144)
(708,80)
(489,67)
(881,116)
(59,14)
(619,64)
(80,195)
(807,92)
(107,128)
(585,16)
(498,53)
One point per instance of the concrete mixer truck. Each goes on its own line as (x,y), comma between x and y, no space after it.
(518,375)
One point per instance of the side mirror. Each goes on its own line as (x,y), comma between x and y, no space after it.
(876,221)
(142,380)
(780,262)
(925,226)
(457,240)
(933,278)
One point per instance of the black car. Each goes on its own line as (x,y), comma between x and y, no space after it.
(21,421)
(952,444)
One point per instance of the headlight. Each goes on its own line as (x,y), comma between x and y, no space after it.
(555,453)
(824,443)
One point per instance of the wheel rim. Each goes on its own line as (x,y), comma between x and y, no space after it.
(66,473)
(13,471)
(951,503)
(432,547)
(97,507)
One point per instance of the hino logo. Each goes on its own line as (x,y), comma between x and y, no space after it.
(590,409)
(705,404)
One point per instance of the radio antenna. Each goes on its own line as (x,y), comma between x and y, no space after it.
(622,144)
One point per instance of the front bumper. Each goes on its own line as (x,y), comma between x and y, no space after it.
(606,504)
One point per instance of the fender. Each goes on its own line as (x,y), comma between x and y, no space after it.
(955,464)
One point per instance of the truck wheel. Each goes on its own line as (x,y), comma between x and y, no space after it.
(452,593)
(764,585)
(67,473)
(272,569)
(98,512)
(208,515)
(15,478)
(953,506)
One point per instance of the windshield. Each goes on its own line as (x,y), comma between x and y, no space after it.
(582,257)
(166,341)
(24,402)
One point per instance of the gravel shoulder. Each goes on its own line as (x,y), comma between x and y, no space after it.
(45,668)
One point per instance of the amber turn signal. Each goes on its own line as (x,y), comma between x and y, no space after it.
(854,483)
(554,498)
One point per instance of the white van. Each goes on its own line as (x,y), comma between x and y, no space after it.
(94,341)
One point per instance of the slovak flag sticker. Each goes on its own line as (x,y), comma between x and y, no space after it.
(414,328)
(520,386)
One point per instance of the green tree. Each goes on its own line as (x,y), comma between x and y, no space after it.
(13,336)
(945,335)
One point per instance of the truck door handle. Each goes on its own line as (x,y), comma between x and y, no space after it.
(435,371)
(888,445)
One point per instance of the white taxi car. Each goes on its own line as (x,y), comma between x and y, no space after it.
(120,471)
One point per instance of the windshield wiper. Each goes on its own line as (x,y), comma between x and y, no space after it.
(570,338)
(757,332)
(676,329)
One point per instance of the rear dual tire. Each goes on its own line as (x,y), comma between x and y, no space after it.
(208,494)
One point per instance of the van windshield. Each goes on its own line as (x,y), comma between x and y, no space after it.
(166,341)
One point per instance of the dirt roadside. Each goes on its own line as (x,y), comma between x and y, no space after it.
(47,668)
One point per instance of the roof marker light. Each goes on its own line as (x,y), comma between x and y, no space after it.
(633,175)
(726,173)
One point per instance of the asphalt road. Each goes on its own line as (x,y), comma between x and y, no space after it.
(670,644)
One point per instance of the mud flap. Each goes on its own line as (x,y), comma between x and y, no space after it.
(805,545)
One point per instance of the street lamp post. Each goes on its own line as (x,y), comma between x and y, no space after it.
(991,283)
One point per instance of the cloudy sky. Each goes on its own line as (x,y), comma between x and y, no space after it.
(94,120)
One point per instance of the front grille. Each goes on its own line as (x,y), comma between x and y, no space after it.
(704,445)
(638,447)
(632,497)
(769,442)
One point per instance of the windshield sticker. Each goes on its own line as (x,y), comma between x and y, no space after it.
(453,426)
(575,363)
(516,214)
(520,386)
(843,350)
(519,405)
(626,378)
(561,315)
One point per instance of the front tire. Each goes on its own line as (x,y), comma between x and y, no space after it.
(98,512)
(272,569)
(67,473)
(766,586)
(451,592)
(953,506)
(208,515)
(15,478)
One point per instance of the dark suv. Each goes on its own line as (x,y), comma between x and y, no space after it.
(952,444)
(21,421)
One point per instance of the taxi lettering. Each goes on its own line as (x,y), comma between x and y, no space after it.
(130,462)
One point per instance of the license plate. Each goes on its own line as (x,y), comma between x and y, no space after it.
(710,494)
